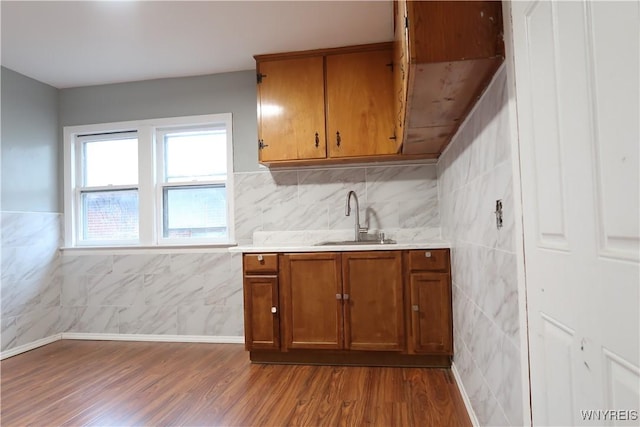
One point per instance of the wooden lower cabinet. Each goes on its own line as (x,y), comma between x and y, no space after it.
(350,301)
(431,313)
(369,307)
(312,312)
(373,303)
(261,314)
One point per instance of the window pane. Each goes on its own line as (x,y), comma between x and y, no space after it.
(195,156)
(195,211)
(111,162)
(110,215)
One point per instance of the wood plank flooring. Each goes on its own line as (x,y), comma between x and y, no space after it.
(140,383)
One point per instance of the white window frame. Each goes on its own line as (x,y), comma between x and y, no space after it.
(162,184)
(149,182)
(80,188)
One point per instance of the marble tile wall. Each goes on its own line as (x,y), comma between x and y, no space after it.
(201,293)
(398,197)
(30,276)
(45,293)
(473,173)
(161,294)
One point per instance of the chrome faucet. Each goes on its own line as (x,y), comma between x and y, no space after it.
(358,229)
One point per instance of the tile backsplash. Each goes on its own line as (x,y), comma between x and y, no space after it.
(391,197)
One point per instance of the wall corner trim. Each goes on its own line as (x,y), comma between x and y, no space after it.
(465,396)
(210,339)
(30,346)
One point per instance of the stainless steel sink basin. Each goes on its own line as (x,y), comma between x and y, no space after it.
(353,242)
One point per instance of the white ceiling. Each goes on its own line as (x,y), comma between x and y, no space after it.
(70,44)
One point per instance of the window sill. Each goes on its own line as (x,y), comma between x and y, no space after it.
(123,250)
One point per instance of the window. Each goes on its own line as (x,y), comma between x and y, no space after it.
(193,180)
(154,182)
(108,190)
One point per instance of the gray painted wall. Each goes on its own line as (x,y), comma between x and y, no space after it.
(31,150)
(186,96)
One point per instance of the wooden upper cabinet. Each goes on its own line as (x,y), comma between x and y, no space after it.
(291,109)
(359,108)
(327,106)
(442,31)
(445,54)
(373,301)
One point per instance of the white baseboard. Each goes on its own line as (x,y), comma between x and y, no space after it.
(465,396)
(217,339)
(122,337)
(30,346)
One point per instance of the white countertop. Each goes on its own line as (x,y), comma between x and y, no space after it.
(431,244)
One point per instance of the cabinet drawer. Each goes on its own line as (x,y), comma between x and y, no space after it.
(260,263)
(429,260)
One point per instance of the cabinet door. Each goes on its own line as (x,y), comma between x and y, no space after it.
(373,301)
(445,31)
(311,297)
(291,109)
(431,320)
(400,68)
(360,106)
(261,317)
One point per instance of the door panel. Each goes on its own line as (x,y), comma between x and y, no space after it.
(312,313)
(621,386)
(616,166)
(576,78)
(548,166)
(291,109)
(558,351)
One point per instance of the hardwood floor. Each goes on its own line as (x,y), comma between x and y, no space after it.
(140,383)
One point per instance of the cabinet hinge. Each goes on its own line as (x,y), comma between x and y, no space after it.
(259,77)
(261,144)
(390,65)
(406,21)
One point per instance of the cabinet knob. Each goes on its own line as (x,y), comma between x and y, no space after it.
(345,297)
(338,139)
(339,296)
(415,308)
(274,310)
(427,254)
(260,258)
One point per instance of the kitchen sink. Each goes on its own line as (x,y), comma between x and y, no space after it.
(353,242)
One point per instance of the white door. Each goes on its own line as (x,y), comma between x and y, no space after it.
(576,77)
